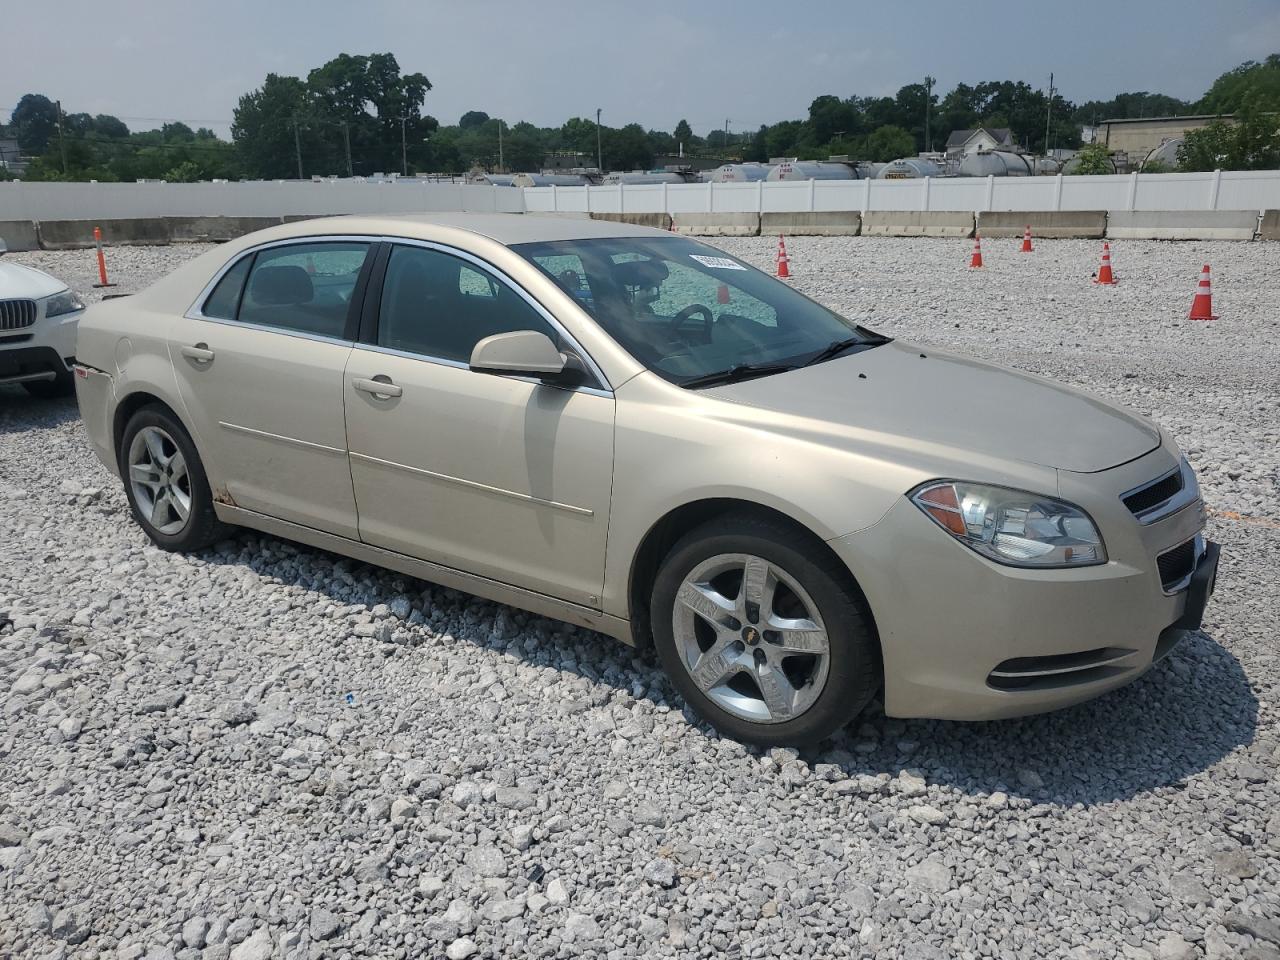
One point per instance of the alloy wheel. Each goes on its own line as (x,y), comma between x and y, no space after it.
(751,638)
(159,480)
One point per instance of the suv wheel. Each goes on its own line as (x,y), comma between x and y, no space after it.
(165,482)
(762,634)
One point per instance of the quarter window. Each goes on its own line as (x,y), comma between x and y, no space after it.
(224,300)
(439,305)
(304,287)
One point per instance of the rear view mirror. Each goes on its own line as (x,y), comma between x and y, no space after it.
(522,352)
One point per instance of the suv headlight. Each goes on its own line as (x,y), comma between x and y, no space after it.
(62,303)
(1012,526)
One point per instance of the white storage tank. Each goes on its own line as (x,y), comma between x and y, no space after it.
(812,170)
(642,176)
(909,168)
(1166,155)
(548,180)
(995,163)
(739,173)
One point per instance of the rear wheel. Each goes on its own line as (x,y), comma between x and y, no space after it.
(165,482)
(762,632)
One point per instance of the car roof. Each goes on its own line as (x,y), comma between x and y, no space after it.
(504,228)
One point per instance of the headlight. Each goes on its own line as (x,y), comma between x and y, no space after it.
(1012,526)
(62,303)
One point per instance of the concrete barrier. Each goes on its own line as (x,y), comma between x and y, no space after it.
(19,235)
(1270,229)
(717,224)
(215,229)
(660,221)
(915,223)
(1182,224)
(821,223)
(1049,225)
(78,234)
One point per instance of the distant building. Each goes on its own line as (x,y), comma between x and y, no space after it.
(964,143)
(1136,137)
(10,159)
(557,162)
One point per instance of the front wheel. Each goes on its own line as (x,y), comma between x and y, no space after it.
(165,482)
(763,633)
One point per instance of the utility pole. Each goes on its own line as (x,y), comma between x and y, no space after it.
(726,138)
(599,152)
(1048,110)
(297,145)
(502,167)
(346,137)
(62,144)
(404,155)
(928,97)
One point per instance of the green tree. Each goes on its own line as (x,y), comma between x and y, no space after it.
(889,143)
(263,129)
(1252,142)
(1253,85)
(34,122)
(1091,160)
(683,134)
(472,119)
(108,126)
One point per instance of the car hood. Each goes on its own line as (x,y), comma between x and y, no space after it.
(919,393)
(19,282)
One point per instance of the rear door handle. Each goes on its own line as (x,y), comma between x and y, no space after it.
(200,353)
(380,386)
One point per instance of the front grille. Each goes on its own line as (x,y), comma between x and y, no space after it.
(1177,564)
(16,314)
(1140,501)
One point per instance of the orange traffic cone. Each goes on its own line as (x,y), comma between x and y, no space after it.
(1026,240)
(722,294)
(1202,305)
(784,262)
(1104,275)
(976,259)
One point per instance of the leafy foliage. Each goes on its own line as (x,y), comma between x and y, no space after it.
(1093,159)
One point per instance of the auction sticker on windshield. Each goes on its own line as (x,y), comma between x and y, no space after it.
(717,263)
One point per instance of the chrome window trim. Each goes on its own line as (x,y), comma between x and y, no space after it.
(499,274)
(1188,495)
(196,310)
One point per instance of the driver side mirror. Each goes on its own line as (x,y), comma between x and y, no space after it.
(521,352)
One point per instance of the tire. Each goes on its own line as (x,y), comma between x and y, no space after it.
(154,434)
(63,384)
(735,660)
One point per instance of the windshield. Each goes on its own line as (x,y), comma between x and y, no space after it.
(688,311)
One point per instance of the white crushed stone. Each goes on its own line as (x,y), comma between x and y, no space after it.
(224,756)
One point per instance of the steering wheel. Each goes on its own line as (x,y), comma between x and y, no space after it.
(684,316)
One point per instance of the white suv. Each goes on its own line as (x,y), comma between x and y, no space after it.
(38,317)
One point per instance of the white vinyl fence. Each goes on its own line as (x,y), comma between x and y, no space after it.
(1220,190)
(268,198)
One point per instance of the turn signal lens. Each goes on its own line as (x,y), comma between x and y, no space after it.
(1012,526)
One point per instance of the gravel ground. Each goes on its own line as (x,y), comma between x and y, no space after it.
(267,751)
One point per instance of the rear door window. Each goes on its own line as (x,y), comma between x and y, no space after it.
(304,287)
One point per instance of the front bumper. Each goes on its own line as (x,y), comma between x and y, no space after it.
(964,638)
(45,349)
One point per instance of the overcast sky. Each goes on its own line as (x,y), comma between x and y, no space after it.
(753,61)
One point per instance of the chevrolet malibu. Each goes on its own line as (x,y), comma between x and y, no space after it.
(637,433)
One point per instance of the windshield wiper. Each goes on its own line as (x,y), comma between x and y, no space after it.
(741,371)
(866,339)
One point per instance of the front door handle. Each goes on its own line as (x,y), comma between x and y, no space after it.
(200,353)
(380,386)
